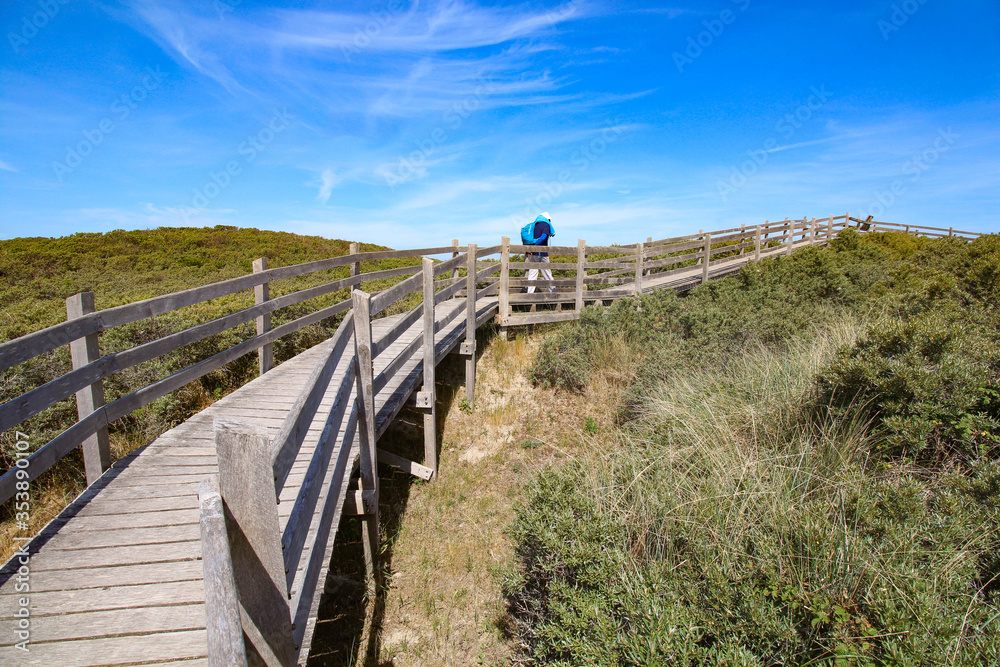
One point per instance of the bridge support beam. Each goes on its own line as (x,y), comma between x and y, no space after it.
(468,348)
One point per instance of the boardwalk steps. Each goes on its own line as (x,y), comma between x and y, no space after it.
(118,577)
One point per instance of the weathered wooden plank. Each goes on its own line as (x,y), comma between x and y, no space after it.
(119,537)
(118,622)
(449,265)
(386,298)
(559,251)
(405,465)
(76,559)
(124,575)
(138,505)
(57,603)
(143,520)
(112,650)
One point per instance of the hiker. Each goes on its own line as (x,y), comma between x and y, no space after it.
(538,233)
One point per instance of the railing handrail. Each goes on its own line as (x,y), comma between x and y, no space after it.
(93,371)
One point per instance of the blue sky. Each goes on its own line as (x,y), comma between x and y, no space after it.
(411,123)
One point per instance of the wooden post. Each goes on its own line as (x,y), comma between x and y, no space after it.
(581,273)
(951,231)
(829,229)
(82,351)
(504,296)
(454,253)
(788,237)
(355,266)
(847,220)
(426,398)
(767,229)
(261,293)
(812,232)
(907,229)
(639,248)
(366,425)
(708,258)
(756,250)
(469,346)
(743,231)
(246,481)
(222,607)
(702,232)
(649,239)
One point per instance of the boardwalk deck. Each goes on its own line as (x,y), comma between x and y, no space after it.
(116,579)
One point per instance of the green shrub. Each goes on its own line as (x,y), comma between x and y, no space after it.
(738,516)
(932,383)
(727,527)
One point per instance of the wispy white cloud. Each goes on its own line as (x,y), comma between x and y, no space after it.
(7,167)
(328,180)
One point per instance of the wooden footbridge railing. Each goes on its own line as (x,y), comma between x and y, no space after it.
(294,436)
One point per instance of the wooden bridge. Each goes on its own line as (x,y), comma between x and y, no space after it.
(211,544)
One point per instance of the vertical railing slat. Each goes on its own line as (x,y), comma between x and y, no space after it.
(469,346)
(261,293)
(366,424)
(96,448)
(246,482)
(427,398)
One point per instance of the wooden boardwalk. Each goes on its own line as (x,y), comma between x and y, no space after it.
(117,578)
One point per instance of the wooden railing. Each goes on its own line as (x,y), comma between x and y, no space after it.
(243,550)
(598,274)
(84,324)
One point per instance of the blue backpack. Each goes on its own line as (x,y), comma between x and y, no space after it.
(528,231)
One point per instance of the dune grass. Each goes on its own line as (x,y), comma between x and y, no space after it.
(804,472)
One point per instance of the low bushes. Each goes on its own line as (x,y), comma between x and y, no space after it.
(805,473)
